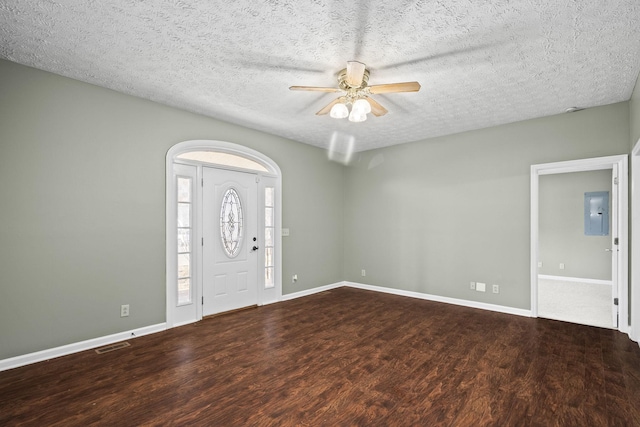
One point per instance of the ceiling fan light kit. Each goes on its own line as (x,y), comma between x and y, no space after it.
(354,82)
(359,110)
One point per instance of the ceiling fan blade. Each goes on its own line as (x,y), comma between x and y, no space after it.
(376,109)
(395,87)
(327,108)
(355,73)
(316,89)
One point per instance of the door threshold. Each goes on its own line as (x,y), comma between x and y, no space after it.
(249,307)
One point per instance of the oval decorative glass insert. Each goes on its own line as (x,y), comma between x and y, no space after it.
(231,222)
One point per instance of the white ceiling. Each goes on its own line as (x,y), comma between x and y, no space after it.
(480,63)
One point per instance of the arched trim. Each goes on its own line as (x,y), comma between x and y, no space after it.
(223,147)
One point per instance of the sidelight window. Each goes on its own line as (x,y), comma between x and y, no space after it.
(185,234)
(269,237)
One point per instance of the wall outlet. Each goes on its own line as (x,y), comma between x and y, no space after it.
(539,264)
(562,266)
(481,287)
(472,285)
(363,272)
(124,310)
(495,289)
(294,278)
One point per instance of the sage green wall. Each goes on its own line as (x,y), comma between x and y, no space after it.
(634,113)
(561,226)
(434,215)
(82,212)
(82,190)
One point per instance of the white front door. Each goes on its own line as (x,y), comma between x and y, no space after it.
(230,231)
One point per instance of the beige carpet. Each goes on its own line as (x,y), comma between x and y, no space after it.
(584,303)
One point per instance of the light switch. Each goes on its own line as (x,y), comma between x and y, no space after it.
(285,232)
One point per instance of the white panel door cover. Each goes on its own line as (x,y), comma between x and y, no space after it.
(230,223)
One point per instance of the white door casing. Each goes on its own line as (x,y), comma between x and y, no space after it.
(635,235)
(618,165)
(615,247)
(229,266)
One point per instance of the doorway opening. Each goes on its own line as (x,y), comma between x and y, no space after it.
(223,230)
(575,263)
(616,245)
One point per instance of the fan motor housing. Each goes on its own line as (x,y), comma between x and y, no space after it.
(342,80)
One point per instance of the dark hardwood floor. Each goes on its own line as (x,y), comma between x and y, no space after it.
(345,357)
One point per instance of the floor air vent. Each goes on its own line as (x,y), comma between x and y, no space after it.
(112,347)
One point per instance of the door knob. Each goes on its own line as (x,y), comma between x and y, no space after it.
(255,248)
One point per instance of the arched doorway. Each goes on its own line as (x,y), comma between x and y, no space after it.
(223,229)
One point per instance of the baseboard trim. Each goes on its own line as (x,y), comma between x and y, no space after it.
(312,291)
(576,279)
(39,356)
(411,294)
(447,300)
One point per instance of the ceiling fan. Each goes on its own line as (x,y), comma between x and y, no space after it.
(354,82)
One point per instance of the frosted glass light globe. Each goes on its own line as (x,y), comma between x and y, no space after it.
(362,106)
(355,117)
(339,111)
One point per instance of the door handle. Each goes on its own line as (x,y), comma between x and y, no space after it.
(255,248)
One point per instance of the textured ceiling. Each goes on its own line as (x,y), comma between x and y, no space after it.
(480,63)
